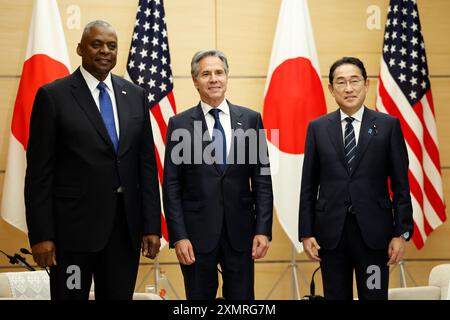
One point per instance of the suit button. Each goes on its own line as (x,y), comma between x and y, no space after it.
(118,161)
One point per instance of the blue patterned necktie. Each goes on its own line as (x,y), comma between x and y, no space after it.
(107,113)
(349,142)
(219,140)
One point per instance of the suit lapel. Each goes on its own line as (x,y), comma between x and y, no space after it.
(201,132)
(365,135)
(236,123)
(335,135)
(123,111)
(83,96)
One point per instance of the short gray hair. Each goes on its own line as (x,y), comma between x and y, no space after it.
(95,24)
(198,56)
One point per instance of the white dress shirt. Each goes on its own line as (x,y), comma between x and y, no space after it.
(358,115)
(92,84)
(224,117)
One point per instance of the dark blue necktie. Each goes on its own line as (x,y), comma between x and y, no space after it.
(349,142)
(219,140)
(107,113)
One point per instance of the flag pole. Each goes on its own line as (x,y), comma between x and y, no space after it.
(402,272)
(294,279)
(156,267)
(292,267)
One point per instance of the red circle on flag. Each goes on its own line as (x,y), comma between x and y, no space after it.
(294,98)
(38,70)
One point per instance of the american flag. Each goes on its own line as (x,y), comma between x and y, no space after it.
(148,66)
(404,91)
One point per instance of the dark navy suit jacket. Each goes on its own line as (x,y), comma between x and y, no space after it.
(199,199)
(73,171)
(328,186)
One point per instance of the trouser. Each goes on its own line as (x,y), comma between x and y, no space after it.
(352,254)
(114,268)
(201,278)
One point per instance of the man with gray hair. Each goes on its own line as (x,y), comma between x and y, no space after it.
(91,186)
(218,205)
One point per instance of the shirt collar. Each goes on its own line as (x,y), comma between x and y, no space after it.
(93,82)
(223,107)
(357,115)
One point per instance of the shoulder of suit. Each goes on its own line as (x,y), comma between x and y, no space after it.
(59,83)
(381,115)
(244,110)
(184,114)
(124,82)
(323,118)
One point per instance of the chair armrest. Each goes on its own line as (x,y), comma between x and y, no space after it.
(415,293)
(146,296)
(5,288)
(136,296)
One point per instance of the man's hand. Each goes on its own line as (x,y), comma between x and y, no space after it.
(396,250)
(185,252)
(311,248)
(260,246)
(150,245)
(44,253)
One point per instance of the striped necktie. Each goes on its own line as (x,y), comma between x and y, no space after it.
(349,142)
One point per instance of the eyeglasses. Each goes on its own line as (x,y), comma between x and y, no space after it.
(341,84)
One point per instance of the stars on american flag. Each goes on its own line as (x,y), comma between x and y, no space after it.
(404,85)
(149,60)
(404,51)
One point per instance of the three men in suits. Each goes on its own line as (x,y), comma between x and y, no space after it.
(91,186)
(347,219)
(217,195)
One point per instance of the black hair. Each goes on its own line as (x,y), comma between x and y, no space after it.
(347,60)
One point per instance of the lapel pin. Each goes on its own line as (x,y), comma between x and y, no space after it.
(124,92)
(373,130)
(239,123)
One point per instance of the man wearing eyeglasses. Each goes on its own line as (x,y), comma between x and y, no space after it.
(348,221)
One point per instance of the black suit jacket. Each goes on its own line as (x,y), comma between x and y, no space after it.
(73,171)
(328,186)
(198,199)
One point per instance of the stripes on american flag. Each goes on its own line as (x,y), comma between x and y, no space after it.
(148,66)
(404,91)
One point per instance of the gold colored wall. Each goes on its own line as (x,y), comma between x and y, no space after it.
(244,30)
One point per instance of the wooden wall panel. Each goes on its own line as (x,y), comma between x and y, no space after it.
(11,239)
(121,14)
(191,27)
(244,30)
(340,28)
(8,90)
(437,245)
(441,97)
(14,23)
(436,28)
